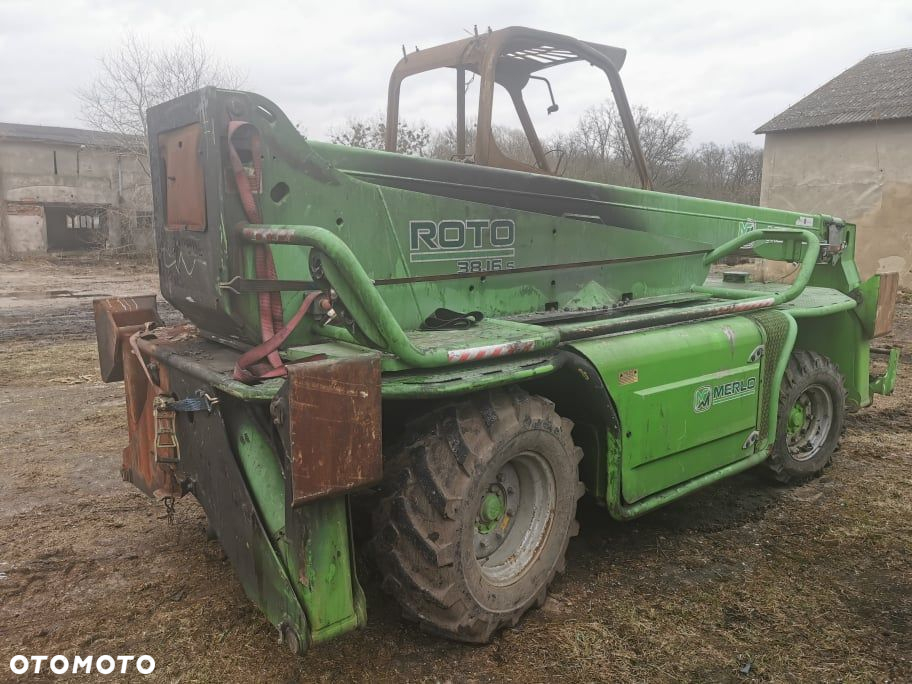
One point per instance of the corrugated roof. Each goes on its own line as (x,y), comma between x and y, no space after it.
(878,87)
(56,134)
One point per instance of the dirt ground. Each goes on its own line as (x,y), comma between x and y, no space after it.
(741,582)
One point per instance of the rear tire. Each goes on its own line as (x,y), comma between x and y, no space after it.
(812,405)
(478,509)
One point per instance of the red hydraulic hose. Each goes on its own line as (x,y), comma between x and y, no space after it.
(272,314)
(247,369)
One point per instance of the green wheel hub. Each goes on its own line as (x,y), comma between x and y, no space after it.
(796,419)
(493,506)
(809,422)
(513,517)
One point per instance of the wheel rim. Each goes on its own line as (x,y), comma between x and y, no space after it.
(514,516)
(808,423)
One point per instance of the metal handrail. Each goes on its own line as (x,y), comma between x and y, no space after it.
(368,308)
(808,261)
(377,323)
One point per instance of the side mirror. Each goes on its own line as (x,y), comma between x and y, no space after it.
(554,107)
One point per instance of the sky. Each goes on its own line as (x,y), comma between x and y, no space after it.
(725,67)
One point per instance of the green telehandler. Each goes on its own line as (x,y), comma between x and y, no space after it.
(466,347)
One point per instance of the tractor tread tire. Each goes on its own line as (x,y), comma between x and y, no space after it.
(806,368)
(421,517)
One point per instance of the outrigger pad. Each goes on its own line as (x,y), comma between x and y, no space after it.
(333,426)
(115,319)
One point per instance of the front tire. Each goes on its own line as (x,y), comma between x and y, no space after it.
(478,510)
(811,418)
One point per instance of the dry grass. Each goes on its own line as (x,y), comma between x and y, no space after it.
(740,582)
(28,364)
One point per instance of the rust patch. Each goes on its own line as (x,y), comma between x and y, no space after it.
(139,465)
(174,333)
(182,179)
(334,426)
(115,320)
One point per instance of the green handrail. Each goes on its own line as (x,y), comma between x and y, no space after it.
(355,288)
(363,301)
(377,323)
(808,261)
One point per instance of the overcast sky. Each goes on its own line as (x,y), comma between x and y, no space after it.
(726,67)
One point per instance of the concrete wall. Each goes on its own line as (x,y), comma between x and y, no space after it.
(34,174)
(859,172)
(26,226)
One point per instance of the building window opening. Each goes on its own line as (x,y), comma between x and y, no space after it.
(75,228)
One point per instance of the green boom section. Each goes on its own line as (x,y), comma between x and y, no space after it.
(431,233)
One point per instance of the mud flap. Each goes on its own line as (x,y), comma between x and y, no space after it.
(332,415)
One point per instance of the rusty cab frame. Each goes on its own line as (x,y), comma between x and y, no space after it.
(510,57)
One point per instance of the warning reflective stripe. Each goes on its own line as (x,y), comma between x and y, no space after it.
(490,351)
(747,306)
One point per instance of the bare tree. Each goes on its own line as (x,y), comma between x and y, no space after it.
(598,147)
(595,132)
(138,75)
(663,137)
(133,77)
(730,172)
(370,133)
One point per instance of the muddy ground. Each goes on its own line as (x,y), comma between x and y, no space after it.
(741,582)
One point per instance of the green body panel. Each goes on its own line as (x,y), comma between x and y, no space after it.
(686,397)
(611,484)
(380,240)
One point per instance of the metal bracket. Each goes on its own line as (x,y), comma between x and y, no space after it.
(884,384)
(752,439)
(239,285)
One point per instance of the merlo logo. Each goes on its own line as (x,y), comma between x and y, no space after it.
(702,399)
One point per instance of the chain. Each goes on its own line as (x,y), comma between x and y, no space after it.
(169,508)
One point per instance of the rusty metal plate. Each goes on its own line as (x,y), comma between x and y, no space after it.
(139,466)
(886,303)
(183,184)
(116,319)
(334,426)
